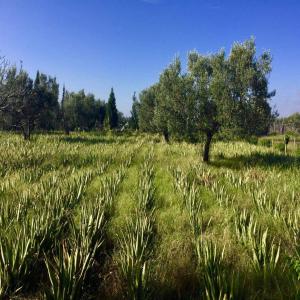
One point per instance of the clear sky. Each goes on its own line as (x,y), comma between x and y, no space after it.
(97,44)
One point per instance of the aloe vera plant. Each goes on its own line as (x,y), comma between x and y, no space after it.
(245,226)
(135,241)
(69,268)
(134,253)
(67,273)
(265,253)
(15,255)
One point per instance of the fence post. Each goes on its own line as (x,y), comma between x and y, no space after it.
(273,144)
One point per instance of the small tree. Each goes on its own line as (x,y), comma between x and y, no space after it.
(9,88)
(112,112)
(286,142)
(147,109)
(100,113)
(134,118)
(82,111)
(63,114)
(175,104)
(46,91)
(208,89)
(21,107)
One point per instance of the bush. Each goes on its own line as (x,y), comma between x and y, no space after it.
(280,147)
(265,143)
(291,133)
(253,140)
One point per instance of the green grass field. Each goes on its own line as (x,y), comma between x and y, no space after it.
(88,216)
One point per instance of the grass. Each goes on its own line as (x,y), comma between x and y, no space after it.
(92,216)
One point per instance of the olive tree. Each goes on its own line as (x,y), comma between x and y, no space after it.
(232,92)
(218,93)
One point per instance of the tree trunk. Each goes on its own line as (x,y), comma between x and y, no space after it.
(166,136)
(26,131)
(209,136)
(67,130)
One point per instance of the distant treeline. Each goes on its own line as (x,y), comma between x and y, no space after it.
(290,124)
(27,105)
(219,95)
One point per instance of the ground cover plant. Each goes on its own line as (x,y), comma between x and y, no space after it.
(90,216)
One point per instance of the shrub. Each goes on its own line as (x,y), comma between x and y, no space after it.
(265,143)
(253,140)
(280,147)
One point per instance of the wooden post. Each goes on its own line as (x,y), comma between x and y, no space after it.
(273,144)
(285,149)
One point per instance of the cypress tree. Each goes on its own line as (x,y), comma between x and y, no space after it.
(134,119)
(37,80)
(112,112)
(63,115)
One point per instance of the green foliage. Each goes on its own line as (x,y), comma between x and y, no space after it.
(67,274)
(280,147)
(174,103)
(20,109)
(146,110)
(295,260)
(112,112)
(15,255)
(134,251)
(134,119)
(45,92)
(286,139)
(25,106)
(69,268)
(29,105)
(253,140)
(290,124)
(265,142)
(82,111)
(216,93)
(135,241)
(114,216)
(265,253)
(218,282)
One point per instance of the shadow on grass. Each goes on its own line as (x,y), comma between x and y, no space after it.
(264,160)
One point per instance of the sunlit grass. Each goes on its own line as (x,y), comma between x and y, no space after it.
(132,216)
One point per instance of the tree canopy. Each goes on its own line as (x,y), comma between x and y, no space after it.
(134,118)
(217,94)
(83,112)
(26,104)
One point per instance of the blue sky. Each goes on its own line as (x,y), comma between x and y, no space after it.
(97,44)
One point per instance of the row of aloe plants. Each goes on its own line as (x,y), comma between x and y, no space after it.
(135,242)
(76,256)
(215,281)
(21,243)
(40,220)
